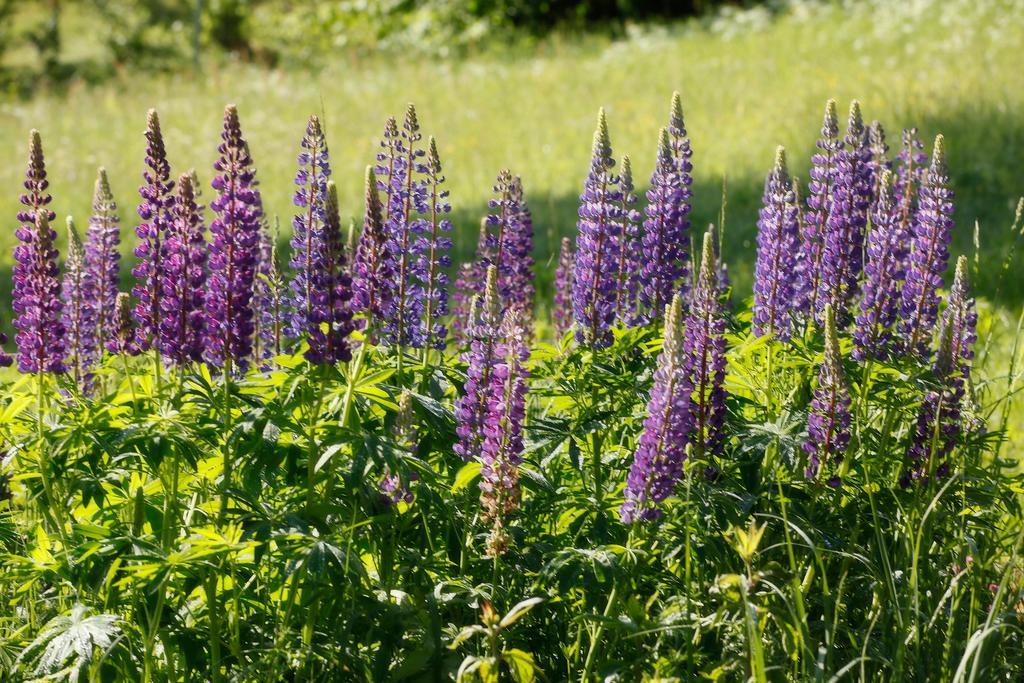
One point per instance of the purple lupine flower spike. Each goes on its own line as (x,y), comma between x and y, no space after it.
(661,451)
(597,245)
(828,422)
(469,285)
(819,203)
(521,248)
(183,276)
(480,359)
(122,338)
(929,255)
(842,256)
(505,413)
(36,297)
(372,271)
(329,343)
(939,419)
(102,255)
(269,295)
(157,199)
(233,251)
(561,315)
(879,159)
(883,277)
(778,243)
(79,294)
(682,154)
(391,485)
(704,345)
(627,270)
(665,236)
(911,166)
(432,259)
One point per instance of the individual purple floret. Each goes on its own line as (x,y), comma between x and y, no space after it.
(183,277)
(269,291)
(883,278)
(480,359)
(627,268)
(371,279)
(658,461)
(704,346)
(430,254)
(939,420)
(597,245)
(561,314)
(505,413)
(36,297)
(233,251)
(665,238)
(79,294)
(778,243)
(102,255)
(929,256)
(828,421)
(819,203)
(155,208)
(122,331)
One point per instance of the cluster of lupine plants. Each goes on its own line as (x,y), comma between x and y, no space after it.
(253,467)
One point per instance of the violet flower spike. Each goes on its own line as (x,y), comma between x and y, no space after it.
(828,421)
(778,243)
(627,275)
(883,278)
(480,359)
(36,297)
(78,292)
(929,255)
(469,285)
(661,451)
(597,245)
(879,161)
(233,251)
(157,199)
(183,278)
(330,343)
(682,154)
(269,294)
(561,314)
(372,271)
(122,339)
(103,255)
(431,249)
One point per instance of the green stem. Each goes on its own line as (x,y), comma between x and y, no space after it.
(598,632)
(317,377)
(228,459)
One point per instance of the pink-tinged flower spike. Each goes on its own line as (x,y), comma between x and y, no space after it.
(658,462)
(819,204)
(102,255)
(561,314)
(469,285)
(778,242)
(929,255)
(704,345)
(883,277)
(828,422)
(183,276)
(36,297)
(597,245)
(372,271)
(505,414)
(627,269)
(431,248)
(154,210)
(470,408)
(80,299)
(233,251)
(269,296)
(939,419)
(665,238)
(122,331)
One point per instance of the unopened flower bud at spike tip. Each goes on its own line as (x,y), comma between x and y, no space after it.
(939,150)
(676,111)
(780,159)
(602,140)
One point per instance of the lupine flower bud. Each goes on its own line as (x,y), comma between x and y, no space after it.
(561,314)
(372,270)
(36,297)
(480,360)
(884,273)
(658,461)
(929,255)
(704,346)
(233,251)
(505,413)
(828,422)
(778,242)
(391,484)
(665,237)
(122,339)
(154,210)
(431,259)
(183,275)
(102,255)
(80,300)
(597,245)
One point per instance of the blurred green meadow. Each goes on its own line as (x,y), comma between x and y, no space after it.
(750,80)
